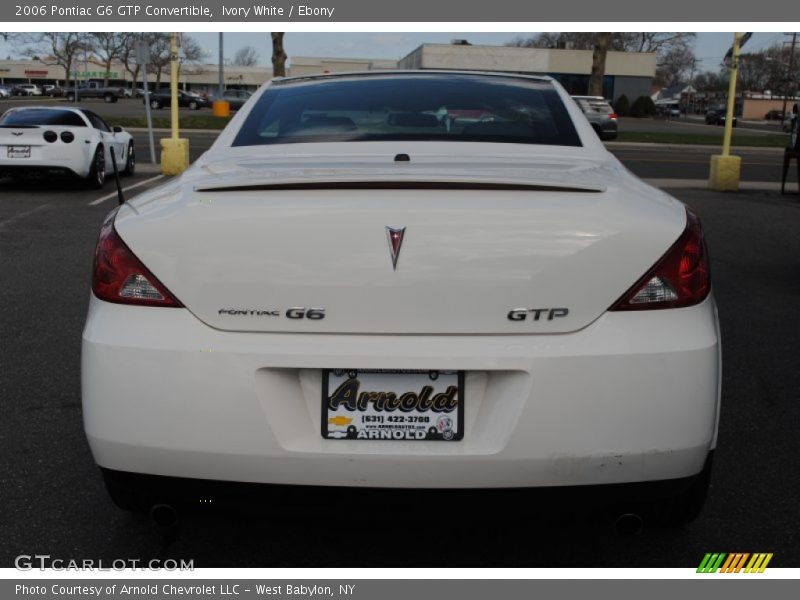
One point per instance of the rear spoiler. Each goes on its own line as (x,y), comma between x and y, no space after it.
(334,184)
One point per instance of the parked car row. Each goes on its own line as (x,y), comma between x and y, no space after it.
(160,98)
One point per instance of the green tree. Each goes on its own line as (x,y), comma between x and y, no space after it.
(638,109)
(622,106)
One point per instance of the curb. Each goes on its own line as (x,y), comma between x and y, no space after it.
(695,147)
(702,184)
(165,130)
(147,168)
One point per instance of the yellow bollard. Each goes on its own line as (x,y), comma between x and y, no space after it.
(221,108)
(174,155)
(725,170)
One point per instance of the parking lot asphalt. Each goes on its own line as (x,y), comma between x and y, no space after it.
(52,500)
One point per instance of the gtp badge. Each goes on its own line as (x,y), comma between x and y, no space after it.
(395,237)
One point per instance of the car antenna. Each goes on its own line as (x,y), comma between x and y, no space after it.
(120,196)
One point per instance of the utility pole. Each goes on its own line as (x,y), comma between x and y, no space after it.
(788,75)
(221,63)
(221,107)
(173,84)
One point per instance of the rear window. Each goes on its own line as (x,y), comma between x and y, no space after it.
(410,107)
(21,118)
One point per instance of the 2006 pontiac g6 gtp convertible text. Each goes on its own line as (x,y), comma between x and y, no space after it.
(404,280)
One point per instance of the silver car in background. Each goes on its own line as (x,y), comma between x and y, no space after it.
(600,114)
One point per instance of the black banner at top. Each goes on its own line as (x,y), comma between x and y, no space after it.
(452,11)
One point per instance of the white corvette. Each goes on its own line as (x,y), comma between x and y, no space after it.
(72,141)
(416,280)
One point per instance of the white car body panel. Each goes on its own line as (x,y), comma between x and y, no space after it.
(597,397)
(75,156)
(601,405)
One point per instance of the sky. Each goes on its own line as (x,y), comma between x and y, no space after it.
(709,47)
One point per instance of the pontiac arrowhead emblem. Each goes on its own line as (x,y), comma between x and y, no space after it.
(16,133)
(395,237)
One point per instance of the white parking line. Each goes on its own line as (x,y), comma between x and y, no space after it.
(21,215)
(125,189)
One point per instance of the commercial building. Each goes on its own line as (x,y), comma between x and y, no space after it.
(629,73)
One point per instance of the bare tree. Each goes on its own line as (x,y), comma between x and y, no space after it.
(675,65)
(278,55)
(654,41)
(675,57)
(128,55)
(190,53)
(55,48)
(709,81)
(246,57)
(109,46)
(768,69)
(602,41)
(159,55)
(570,40)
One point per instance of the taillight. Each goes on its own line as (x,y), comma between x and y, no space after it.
(680,278)
(612,116)
(118,276)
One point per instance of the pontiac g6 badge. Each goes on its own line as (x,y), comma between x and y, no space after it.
(395,237)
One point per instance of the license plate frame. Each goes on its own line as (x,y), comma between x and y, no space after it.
(438,425)
(18,152)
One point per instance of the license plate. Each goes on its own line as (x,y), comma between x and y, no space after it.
(19,152)
(392,405)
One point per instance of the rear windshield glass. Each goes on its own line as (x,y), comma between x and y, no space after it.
(410,107)
(41,117)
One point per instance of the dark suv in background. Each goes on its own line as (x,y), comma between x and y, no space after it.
(716,116)
(600,114)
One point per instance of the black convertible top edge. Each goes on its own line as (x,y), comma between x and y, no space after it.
(397,185)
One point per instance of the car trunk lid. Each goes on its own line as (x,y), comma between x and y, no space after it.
(254,249)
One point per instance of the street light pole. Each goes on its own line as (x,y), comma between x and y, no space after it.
(221,76)
(173,84)
(221,107)
(788,76)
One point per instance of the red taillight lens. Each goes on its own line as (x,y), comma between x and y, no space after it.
(680,278)
(118,276)
(612,116)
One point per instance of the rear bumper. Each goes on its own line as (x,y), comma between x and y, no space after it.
(633,397)
(75,165)
(142,492)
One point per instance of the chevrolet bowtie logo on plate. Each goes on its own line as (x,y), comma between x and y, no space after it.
(395,237)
